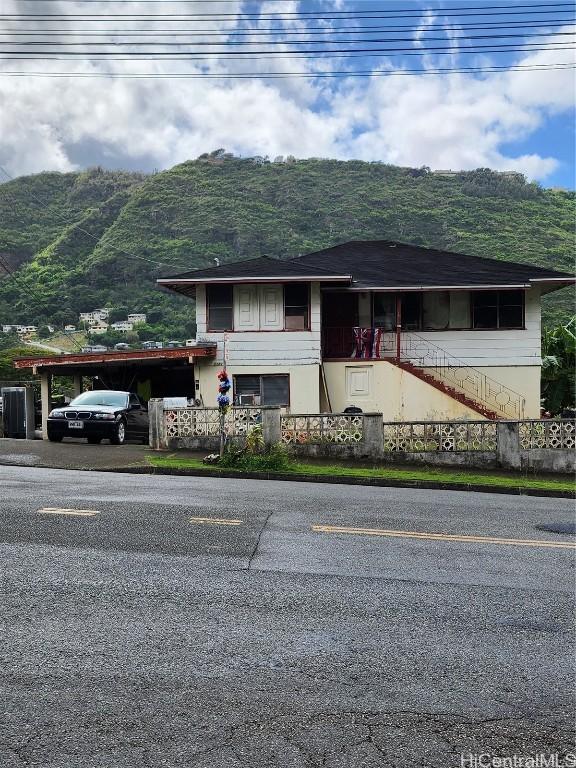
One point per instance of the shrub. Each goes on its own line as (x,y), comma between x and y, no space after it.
(255,441)
(274,459)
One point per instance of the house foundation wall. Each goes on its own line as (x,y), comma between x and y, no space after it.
(378,385)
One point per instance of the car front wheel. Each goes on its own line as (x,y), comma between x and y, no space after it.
(119,437)
(55,438)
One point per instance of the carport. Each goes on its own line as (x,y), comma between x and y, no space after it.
(149,372)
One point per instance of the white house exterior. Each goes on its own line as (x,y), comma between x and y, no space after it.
(98,327)
(414,333)
(137,318)
(122,325)
(96,316)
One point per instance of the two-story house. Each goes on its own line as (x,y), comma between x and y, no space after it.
(414,333)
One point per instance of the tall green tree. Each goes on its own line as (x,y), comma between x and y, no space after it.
(558,367)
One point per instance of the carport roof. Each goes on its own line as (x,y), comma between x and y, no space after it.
(117,357)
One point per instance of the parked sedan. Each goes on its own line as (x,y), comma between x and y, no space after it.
(100,414)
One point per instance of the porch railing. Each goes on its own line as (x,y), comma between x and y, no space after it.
(357,342)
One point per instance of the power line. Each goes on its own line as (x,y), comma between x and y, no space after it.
(286,75)
(372,28)
(343,15)
(251,2)
(228,44)
(320,53)
(283,33)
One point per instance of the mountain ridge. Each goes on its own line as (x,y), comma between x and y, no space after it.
(141,227)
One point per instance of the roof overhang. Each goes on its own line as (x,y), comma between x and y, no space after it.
(272,279)
(99,359)
(549,284)
(394,288)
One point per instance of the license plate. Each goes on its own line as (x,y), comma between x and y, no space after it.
(76,424)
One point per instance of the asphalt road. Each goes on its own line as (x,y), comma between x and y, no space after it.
(137,634)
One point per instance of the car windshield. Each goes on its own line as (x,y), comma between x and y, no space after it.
(100,398)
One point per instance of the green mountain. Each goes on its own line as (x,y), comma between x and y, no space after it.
(76,241)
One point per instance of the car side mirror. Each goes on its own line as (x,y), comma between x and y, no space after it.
(134,406)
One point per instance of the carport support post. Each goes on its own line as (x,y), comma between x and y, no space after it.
(46,401)
(77,384)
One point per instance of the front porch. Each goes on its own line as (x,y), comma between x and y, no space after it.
(360,343)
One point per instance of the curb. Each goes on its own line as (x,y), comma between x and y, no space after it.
(345,480)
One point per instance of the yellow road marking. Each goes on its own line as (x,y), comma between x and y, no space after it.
(444,537)
(215,521)
(68,511)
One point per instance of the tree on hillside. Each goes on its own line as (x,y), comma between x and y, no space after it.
(118,313)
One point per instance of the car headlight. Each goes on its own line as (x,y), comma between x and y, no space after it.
(56,414)
(105,416)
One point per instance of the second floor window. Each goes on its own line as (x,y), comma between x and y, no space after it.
(498,309)
(296,307)
(220,308)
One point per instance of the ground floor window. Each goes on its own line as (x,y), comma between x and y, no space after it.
(262,390)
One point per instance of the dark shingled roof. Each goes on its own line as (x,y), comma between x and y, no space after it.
(382,264)
(262,267)
(387,264)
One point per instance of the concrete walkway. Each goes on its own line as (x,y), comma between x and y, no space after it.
(47,347)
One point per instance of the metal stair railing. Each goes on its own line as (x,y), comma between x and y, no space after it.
(450,370)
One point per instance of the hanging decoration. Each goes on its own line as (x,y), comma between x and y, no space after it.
(223,389)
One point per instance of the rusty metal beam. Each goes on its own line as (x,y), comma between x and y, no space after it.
(133,355)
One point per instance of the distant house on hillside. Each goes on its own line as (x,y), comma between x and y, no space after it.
(136,318)
(122,326)
(414,333)
(96,316)
(98,327)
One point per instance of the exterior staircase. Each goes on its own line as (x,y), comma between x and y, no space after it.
(469,386)
(422,374)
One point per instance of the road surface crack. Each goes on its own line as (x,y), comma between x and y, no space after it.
(257,544)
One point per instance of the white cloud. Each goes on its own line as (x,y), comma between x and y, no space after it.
(456,121)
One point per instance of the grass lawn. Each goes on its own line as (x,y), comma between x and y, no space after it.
(68,342)
(407,474)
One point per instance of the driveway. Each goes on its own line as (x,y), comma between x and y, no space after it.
(225,623)
(71,454)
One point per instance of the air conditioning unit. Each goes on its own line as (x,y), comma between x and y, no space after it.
(247,399)
(18,412)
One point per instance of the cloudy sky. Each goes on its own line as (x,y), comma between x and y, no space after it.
(124,91)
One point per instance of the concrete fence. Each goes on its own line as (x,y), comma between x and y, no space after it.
(539,445)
